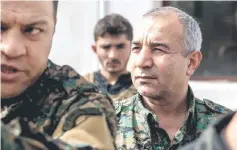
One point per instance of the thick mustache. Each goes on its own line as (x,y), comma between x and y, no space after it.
(114,61)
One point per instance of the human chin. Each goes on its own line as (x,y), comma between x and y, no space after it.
(11,90)
(113,69)
(145,93)
(143,89)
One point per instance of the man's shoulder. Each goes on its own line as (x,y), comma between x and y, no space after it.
(206,112)
(81,95)
(210,107)
(83,99)
(71,80)
(78,88)
(210,139)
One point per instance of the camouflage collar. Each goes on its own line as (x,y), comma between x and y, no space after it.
(190,120)
(189,123)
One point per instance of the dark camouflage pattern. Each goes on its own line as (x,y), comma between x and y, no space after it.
(30,139)
(56,102)
(124,92)
(212,138)
(138,128)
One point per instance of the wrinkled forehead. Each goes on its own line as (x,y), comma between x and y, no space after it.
(165,26)
(39,8)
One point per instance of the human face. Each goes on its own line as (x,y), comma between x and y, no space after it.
(113,52)
(27,28)
(159,67)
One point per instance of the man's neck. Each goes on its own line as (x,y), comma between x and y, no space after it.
(112,78)
(170,112)
(171,106)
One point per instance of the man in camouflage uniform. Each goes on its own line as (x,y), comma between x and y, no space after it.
(164,114)
(43,105)
(113,35)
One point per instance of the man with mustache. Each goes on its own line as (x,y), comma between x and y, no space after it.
(43,105)
(164,114)
(113,35)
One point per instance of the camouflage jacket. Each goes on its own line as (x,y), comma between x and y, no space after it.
(212,138)
(65,107)
(122,89)
(138,127)
(29,138)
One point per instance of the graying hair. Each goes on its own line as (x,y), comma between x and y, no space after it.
(192,31)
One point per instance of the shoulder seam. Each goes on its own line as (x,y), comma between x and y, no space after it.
(210,106)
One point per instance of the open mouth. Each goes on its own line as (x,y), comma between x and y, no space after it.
(8,69)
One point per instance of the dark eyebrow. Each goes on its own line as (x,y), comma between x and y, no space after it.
(120,44)
(105,45)
(40,22)
(157,44)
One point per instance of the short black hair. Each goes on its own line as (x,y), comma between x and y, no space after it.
(113,24)
(55,7)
